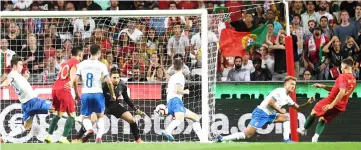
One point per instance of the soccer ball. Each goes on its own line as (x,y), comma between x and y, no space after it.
(161,110)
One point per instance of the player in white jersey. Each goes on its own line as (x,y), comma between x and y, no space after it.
(30,103)
(175,104)
(270,111)
(92,71)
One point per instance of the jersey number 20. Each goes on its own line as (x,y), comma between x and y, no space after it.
(89,80)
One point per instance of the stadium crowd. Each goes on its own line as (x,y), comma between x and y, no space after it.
(323,33)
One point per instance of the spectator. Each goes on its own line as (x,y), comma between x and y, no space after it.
(104,4)
(310,14)
(346,28)
(68,46)
(260,73)
(22,4)
(238,73)
(54,36)
(134,61)
(279,56)
(133,33)
(114,6)
(246,25)
(267,61)
(357,19)
(154,63)
(90,5)
(178,44)
(327,30)
(152,42)
(270,37)
(307,75)
(15,41)
(271,18)
(323,12)
(48,49)
(60,5)
(260,15)
(170,21)
(311,25)
(43,5)
(33,55)
(5,57)
(351,48)
(311,53)
(78,39)
(136,75)
(296,9)
(159,74)
(85,26)
(186,70)
(6,5)
(335,56)
(297,29)
(210,7)
(126,46)
(247,63)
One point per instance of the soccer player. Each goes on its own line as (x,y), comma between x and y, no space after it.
(115,108)
(63,101)
(175,104)
(328,108)
(30,103)
(270,110)
(92,71)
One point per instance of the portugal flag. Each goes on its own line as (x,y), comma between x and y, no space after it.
(233,43)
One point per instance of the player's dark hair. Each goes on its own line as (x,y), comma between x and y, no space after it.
(177,64)
(290,78)
(14,60)
(114,70)
(347,62)
(94,49)
(75,51)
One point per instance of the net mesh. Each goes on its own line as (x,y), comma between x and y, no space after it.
(142,47)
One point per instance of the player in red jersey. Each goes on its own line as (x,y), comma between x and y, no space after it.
(329,107)
(63,100)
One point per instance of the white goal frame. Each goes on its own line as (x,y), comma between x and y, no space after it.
(141,13)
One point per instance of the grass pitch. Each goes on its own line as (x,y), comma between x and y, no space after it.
(189,146)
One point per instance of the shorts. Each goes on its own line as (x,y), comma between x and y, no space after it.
(116,109)
(175,105)
(92,102)
(35,106)
(328,115)
(260,118)
(63,101)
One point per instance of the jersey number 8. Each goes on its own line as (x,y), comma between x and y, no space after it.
(89,80)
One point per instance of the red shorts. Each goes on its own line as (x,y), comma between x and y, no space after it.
(63,101)
(328,115)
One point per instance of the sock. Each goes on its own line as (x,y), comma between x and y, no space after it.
(87,124)
(286,130)
(68,126)
(235,136)
(80,133)
(135,130)
(100,127)
(315,137)
(18,130)
(198,130)
(309,121)
(320,126)
(53,124)
(172,126)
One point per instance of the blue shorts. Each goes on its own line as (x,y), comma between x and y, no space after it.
(260,118)
(175,105)
(92,102)
(35,106)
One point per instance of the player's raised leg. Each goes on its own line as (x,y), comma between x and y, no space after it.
(175,108)
(196,124)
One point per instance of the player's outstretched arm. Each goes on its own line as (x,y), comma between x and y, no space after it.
(130,103)
(318,85)
(300,107)
(111,87)
(272,104)
(6,82)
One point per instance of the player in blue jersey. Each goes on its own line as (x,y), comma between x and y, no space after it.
(270,110)
(92,72)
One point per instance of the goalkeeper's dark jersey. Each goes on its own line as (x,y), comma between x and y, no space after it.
(120,89)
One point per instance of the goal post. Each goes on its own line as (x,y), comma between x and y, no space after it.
(206,84)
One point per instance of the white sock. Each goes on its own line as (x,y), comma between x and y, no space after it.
(18,130)
(234,136)
(100,127)
(172,126)
(315,137)
(87,124)
(198,130)
(286,130)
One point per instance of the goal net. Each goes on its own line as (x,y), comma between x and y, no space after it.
(142,44)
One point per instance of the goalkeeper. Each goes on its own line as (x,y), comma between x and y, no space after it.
(116,108)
